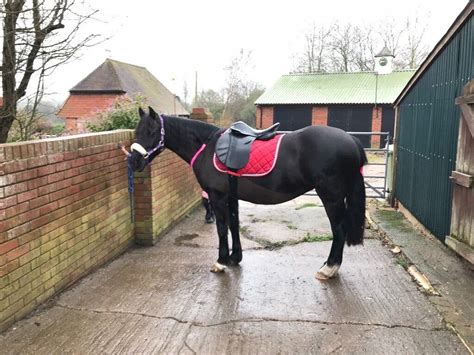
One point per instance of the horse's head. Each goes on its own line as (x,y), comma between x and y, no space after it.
(149,140)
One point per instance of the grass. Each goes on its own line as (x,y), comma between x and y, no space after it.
(314,238)
(402,261)
(306,205)
(394,219)
(376,157)
(244,229)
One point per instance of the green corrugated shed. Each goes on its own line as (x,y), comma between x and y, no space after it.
(336,88)
(428,127)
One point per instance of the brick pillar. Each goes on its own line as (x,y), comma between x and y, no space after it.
(143,196)
(266,116)
(376,126)
(164,192)
(201,114)
(319,116)
(258,117)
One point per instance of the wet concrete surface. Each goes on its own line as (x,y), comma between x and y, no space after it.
(452,277)
(163,299)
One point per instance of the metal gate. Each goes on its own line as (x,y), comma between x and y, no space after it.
(376,171)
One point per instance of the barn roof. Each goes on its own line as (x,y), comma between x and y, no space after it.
(336,88)
(114,77)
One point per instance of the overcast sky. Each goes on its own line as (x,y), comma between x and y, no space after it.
(174,39)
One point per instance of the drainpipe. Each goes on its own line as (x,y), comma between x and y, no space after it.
(396,135)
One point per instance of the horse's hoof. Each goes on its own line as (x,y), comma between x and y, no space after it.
(235,260)
(327,272)
(209,219)
(217,268)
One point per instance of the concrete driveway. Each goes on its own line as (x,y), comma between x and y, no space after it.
(163,299)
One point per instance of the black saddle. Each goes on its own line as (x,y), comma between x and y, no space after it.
(233,146)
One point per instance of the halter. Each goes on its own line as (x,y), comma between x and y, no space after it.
(160,147)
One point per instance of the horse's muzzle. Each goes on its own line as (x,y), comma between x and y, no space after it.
(136,161)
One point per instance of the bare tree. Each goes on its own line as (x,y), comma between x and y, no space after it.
(348,47)
(344,40)
(236,78)
(33,29)
(392,35)
(211,100)
(185,93)
(316,47)
(27,117)
(365,47)
(415,50)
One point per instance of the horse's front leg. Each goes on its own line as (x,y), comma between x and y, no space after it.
(219,204)
(236,256)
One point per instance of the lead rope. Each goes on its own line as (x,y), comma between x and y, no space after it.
(131,189)
(131,182)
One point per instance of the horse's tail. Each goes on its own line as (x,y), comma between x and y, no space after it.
(355,217)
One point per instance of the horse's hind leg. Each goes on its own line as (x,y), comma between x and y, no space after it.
(336,210)
(219,204)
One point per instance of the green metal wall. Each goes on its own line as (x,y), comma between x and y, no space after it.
(427,144)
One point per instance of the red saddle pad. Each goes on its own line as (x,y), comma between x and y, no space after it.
(263,157)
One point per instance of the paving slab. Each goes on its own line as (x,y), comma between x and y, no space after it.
(288,222)
(163,299)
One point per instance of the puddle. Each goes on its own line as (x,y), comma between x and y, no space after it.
(183,240)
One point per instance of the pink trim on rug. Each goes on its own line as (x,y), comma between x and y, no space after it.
(196,155)
(362,170)
(277,151)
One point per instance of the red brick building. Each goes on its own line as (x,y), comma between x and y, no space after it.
(112,79)
(357,102)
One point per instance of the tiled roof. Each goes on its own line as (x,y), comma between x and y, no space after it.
(117,77)
(85,106)
(336,88)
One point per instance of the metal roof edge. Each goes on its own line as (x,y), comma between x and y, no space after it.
(347,73)
(319,103)
(438,48)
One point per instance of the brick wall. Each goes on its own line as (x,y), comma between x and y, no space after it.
(65,210)
(82,108)
(164,191)
(376,126)
(319,116)
(264,116)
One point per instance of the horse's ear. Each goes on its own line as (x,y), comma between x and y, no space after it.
(152,112)
(141,112)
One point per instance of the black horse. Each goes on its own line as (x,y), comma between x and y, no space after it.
(323,158)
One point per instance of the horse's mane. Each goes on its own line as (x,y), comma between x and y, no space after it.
(185,126)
